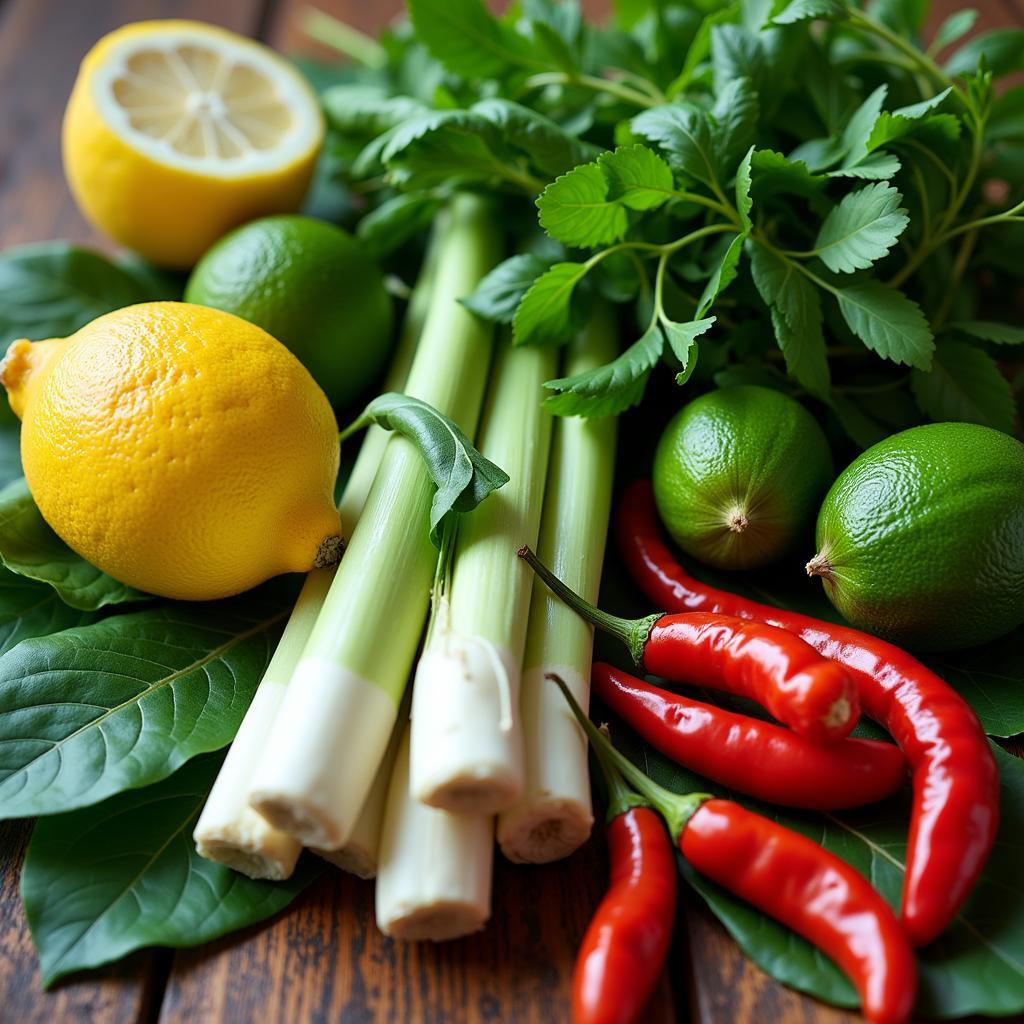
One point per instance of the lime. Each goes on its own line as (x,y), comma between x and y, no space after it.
(738,474)
(921,538)
(313,287)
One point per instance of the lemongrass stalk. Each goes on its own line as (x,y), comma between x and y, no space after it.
(467,754)
(361,853)
(229,830)
(555,814)
(434,876)
(342,702)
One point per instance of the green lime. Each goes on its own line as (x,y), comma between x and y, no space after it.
(921,538)
(313,287)
(738,474)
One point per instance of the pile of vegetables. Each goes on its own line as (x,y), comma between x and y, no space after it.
(601,222)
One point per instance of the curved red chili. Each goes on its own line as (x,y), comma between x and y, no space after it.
(625,945)
(813,892)
(956,784)
(809,693)
(814,696)
(750,756)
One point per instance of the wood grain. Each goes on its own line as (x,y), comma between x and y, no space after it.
(121,994)
(323,959)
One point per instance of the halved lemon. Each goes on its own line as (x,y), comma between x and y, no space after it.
(177,131)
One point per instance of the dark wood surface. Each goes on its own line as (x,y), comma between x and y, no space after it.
(322,959)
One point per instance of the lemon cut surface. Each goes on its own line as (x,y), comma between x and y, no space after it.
(176,131)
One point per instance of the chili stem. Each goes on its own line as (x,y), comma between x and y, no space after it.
(676,809)
(632,632)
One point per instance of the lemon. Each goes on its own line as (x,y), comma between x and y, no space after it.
(177,131)
(738,474)
(313,287)
(921,538)
(180,449)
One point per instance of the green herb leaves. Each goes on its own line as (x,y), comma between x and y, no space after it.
(861,229)
(575,209)
(101,882)
(887,322)
(51,289)
(462,475)
(29,547)
(94,710)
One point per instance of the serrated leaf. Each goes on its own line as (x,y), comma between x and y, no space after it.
(774,174)
(888,323)
(736,52)
(683,132)
(462,476)
(904,121)
(30,548)
(468,40)
(549,147)
(989,330)
(102,882)
(637,177)
(964,384)
(861,124)
(51,289)
(723,275)
(861,229)
(744,201)
(545,315)
(874,167)
(397,219)
(808,10)
(612,388)
(682,340)
(575,209)
(123,703)
(735,114)
(796,318)
(499,293)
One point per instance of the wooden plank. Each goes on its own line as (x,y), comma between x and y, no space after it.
(41,45)
(323,959)
(122,994)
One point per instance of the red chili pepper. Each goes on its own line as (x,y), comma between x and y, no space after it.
(813,892)
(812,695)
(625,946)
(956,783)
(750,756)
(788,876)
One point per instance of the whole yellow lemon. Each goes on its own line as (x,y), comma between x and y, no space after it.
(180,449)
(177,131)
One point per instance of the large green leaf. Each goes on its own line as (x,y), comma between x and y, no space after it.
(30,548)
(977,966)
(50,289)
(28,609)
(123,703)
(101,882)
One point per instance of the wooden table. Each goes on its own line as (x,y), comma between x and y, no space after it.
(322,959)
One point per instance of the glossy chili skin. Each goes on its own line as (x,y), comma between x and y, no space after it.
(625,945)
(813,696)
(956,783)
(750,756)
(813,892)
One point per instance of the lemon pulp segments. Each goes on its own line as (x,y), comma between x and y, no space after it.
(205,101)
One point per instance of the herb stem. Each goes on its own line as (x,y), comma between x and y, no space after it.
(955,277)
(593,82)
(911,52)
(343,38)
